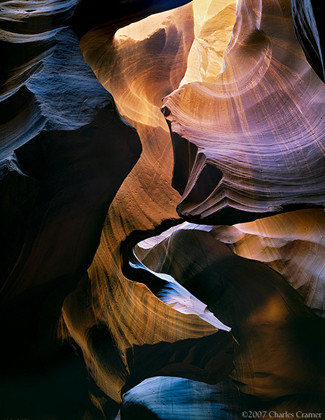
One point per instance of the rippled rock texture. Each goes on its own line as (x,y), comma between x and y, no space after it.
(262,124)
(162,193)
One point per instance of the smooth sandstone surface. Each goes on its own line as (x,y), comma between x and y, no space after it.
(118,122)
(256,133)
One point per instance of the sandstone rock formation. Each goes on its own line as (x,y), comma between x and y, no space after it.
(119,121)
(310,33)
(262,124)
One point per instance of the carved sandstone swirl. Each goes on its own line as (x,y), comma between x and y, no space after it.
(27,32)
(140,65)
(280,339)
(291,243)
(255,137)
(27,36)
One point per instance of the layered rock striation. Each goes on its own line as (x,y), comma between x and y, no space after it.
(119,121)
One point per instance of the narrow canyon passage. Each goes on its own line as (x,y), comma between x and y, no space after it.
(162,192)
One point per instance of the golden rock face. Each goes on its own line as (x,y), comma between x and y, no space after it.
(168,222)
(245,120)
(146,198)
(213,26)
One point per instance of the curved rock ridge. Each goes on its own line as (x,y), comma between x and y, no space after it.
(77,174)
(267,316)
(291,243)
(171,398)
(157,66)
(142,62)
(167,289)
(27,37)
(140,336)
(310,32)
(27,32)
(64,96)
(139,66)
(255,137)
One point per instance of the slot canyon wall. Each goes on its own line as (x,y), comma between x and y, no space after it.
(162,209)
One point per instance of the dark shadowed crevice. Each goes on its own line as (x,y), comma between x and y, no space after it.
(205,184)
(184,158)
